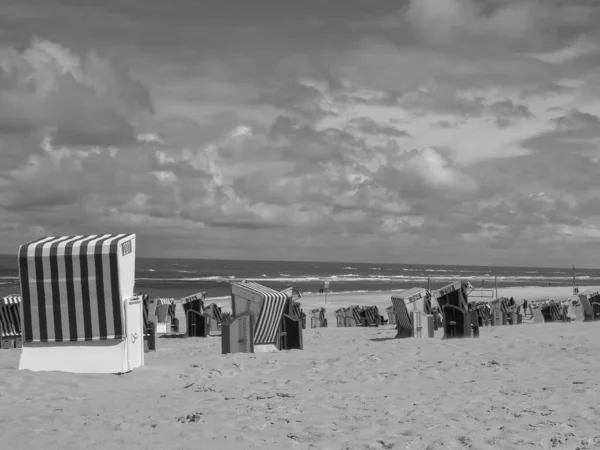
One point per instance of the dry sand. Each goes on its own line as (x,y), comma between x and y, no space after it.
(526,386)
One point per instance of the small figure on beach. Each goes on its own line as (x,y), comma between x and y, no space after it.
(511,302)
(524,306)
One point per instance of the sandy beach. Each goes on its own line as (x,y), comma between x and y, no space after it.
(526,386)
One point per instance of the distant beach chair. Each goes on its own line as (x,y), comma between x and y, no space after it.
(79,312)
(536,312)
(340,317)
(391,315)
(149,328)
(372,316)
(317,318)
(10,322)
(215,318)
(588,299)
(352,316)
(165,315)
(273,323)
(453,299)
(404,324)
(197,322)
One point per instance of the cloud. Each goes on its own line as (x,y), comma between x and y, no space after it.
(423,131)
(79,101)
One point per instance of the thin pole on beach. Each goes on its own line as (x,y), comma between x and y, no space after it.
(496,284)
(573,279)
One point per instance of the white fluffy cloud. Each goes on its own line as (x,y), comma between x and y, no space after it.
(468,129)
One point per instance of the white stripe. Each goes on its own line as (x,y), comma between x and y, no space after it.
(33,293)
(48,297)
(92,284)
(62,287)
(78,282)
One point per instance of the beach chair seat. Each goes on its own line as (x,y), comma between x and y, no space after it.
(197,324)
(457,322)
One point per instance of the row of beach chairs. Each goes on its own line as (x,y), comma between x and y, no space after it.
(358,316)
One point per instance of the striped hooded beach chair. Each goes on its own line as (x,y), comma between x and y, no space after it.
(454,301)
(372,316)
(10,322)
(262,316)
(404,325)
(353,317)
(197,323)
(590,303)
(317,318)
(413,313)
(166,322)
(79,311)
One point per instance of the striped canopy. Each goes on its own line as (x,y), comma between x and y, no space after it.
(10,315)
(401,312)
(372,314)
(70,287)
(271,311)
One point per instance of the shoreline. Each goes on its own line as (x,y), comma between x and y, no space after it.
(382,299)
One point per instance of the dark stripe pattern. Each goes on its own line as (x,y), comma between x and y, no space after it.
(70,288)
(271,312)
(10,316)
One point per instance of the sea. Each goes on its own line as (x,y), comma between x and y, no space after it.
(177,278)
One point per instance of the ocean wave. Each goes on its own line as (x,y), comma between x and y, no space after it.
(372,278)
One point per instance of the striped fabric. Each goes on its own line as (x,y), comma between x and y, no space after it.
(214,311)
(354,312)
(402,315)
(10,316)
(372,315)
(70,288)
(271,312)
(145,309)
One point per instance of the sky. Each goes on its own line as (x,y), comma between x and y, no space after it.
(423,131)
